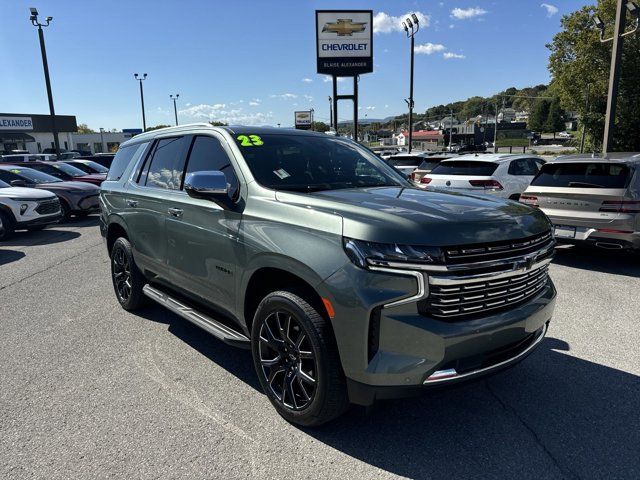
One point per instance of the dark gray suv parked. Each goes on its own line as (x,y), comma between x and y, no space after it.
(348,284)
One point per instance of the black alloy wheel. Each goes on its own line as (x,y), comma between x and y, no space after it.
(288,361)
(128,281)
(121,267)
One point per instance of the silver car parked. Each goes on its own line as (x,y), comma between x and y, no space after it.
(591,200)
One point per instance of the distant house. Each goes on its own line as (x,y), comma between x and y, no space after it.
(507,115)
(425,139)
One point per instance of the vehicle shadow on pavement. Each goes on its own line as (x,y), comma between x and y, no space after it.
(616,262)
(8,256)
(552,416)
(236,361)
(43,237)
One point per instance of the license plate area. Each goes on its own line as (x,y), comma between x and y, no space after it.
(563,231)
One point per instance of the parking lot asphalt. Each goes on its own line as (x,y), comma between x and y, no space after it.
(88,390)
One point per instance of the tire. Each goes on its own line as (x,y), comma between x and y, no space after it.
(8,225)
(127,279)
(66,211)
(284,367)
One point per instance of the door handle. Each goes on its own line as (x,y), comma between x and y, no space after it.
(175,212)
(132,203)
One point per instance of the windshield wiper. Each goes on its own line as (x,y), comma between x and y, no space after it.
(584,184)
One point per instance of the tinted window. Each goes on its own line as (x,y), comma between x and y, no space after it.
(121,162)
(307,163)
(523,166)
(428,165)
(462,167)
(4,184)
(207,154)
(167,164)
(582,175)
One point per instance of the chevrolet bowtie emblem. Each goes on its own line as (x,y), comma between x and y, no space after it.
(344,27)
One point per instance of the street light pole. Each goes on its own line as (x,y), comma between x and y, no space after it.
(175,109)
(102,140)
(140,79)
(330,113)
(411,28)
(45,65)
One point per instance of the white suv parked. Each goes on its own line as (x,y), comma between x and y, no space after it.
(503,175)
(26,208)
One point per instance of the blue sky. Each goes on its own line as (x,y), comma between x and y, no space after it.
(253,62)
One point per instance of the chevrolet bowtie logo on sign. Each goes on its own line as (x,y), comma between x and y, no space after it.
(344,27)
(344,42)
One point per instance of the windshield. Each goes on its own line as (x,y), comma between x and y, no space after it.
(66,168)
(31,175)
(582,175)
(4,185)
(88,166)
(465,167)
(307,163)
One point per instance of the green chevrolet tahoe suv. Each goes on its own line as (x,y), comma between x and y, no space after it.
(347,284)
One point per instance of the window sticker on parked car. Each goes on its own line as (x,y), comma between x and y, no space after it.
(15,170)
(281,173)
(250,140)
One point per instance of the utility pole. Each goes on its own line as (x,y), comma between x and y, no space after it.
(175,109)
(584,127)
(450,127)
(495,131)
(616,57)
(140,79)
(330,113)
(411,28)
(45,65)
(102,140)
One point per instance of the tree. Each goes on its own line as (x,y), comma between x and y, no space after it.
(319,127)
(539,115)
(579,63)
(83,128)
(156,127)
(555,119)
(218,124)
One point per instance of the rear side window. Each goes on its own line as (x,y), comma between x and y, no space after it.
(167,164)
(583,175)
(523,166)
(462,167)
(208,154)
(428,165)
(121,162)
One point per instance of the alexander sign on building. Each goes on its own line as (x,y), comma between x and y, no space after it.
(16,123)
(344,42)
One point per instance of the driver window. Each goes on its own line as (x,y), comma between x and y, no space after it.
(208,154)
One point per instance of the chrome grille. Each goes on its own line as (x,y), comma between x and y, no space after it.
(457,297)
(496,250)
(47,207)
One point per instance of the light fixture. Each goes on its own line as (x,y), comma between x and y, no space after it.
(633,8)
(404,25)
(597,21)
(33,11)
(415,18)
(409,23)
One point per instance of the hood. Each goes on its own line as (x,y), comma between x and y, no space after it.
(70,187)
(25,193)
(422,217)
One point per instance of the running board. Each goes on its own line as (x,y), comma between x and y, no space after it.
(210,325)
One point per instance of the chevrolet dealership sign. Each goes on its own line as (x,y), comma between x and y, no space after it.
(344,42)
(303,120)
(16,123)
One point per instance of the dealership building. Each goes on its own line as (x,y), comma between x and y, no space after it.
(33,132)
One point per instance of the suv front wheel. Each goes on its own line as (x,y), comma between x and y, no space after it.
(296,359)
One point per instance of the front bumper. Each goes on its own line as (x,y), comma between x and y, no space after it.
(86,204)
(35,222)
(392,351)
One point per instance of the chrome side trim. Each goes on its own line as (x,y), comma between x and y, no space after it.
(444,376)
(462,266)
(210,325)
(449,280)
(419,276)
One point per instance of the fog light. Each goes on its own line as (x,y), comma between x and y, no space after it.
(23,208)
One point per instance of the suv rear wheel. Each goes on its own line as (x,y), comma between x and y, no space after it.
(127,279)
(296,359)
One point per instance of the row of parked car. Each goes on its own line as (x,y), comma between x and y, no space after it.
(36,193)
(589,200)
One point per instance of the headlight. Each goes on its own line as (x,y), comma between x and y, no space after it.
(23,208)
(365,254)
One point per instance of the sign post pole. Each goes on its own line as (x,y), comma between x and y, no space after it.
(335,103)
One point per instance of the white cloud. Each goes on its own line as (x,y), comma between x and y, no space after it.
(385,23)
(253,104)
(218,112)
(327,78)
(386,106)
(371,108)
(307,80)
(465,13)
(551,9)
(285,96)
(429,48)
(308,98)
(450,55)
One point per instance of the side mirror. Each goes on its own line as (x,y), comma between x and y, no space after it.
(209,185)
(18,183)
